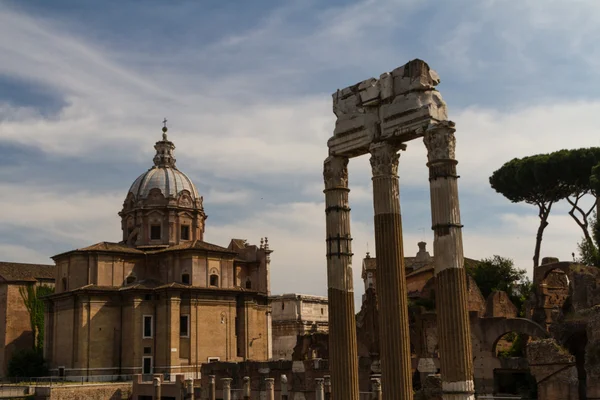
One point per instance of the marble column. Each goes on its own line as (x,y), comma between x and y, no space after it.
(226,382)
(270,385)
(284,387)
(212,388)
(319,389)
(391,277)
(454,337)
(157,388)
(343,354)
(246,388)
(376,388)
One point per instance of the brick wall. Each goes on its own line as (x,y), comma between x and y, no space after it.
(112,391)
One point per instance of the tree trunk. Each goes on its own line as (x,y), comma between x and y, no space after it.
(543,214)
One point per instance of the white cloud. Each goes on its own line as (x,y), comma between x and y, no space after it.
(252,125)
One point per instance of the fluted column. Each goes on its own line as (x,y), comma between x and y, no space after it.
(391,278)
(454,337)
(343,355)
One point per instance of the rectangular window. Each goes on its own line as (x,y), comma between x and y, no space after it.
(147,326)
(185,232)
(184,326)
(147,365)
(185,279)
(155,232)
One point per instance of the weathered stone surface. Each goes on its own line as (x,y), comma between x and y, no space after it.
(554,370)
(431,390)
(399,106)
(498,304)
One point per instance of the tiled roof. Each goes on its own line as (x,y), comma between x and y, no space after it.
(108,246)
(196,245)
(122,248)
(11,271)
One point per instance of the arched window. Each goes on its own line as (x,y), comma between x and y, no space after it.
(64,284)
(185,279)
(248,284)
(214,280)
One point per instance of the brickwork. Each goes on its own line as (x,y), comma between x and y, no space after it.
(111,391)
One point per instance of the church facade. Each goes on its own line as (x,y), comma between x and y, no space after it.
(162,300)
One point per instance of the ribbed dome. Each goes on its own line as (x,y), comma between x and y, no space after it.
(169,180)
(164,175)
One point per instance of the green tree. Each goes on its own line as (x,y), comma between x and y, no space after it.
(32,297)
(27,363)
(532,180)
(575,171)
(499,273)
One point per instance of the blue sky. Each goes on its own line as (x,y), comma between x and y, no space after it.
(247,88)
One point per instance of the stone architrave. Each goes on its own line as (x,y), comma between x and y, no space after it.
(343,353)
(454,334)
(391,280)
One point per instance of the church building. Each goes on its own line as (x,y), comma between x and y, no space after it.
(162,300)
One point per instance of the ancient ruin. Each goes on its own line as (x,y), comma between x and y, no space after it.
(378,116)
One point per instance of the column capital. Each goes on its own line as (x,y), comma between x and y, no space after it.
(226,382)
(335,172)
(319,383)
(270,383)
(440,141)
(384,158)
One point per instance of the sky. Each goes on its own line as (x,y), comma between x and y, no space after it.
(246,87)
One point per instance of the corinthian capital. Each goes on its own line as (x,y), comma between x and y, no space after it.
(335,172)
(384,159)
(440,141)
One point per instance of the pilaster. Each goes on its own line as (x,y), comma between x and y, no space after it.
(342,325)
(454,335)
(391,279)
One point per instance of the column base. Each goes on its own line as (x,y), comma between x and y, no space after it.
(458,390)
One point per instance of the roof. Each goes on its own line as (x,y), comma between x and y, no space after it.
(104,247)
(170,182)
(196,245)
(430,267)
(11,271)
(123,248)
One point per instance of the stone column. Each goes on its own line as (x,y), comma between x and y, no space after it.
(189,389)
(319,389)
(453,327)
(343,355)
(157,388)
(391,277)
(376,388)
(246,388)
(270,384)
(212,389)
(327,385)
(226,382)
(284,387)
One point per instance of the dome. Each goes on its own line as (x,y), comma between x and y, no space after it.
(164,175)
(169,180)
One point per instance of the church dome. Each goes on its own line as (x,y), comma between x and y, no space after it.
(162,207)
(169,180)
(164,175)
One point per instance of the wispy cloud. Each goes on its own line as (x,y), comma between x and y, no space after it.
(250,112)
